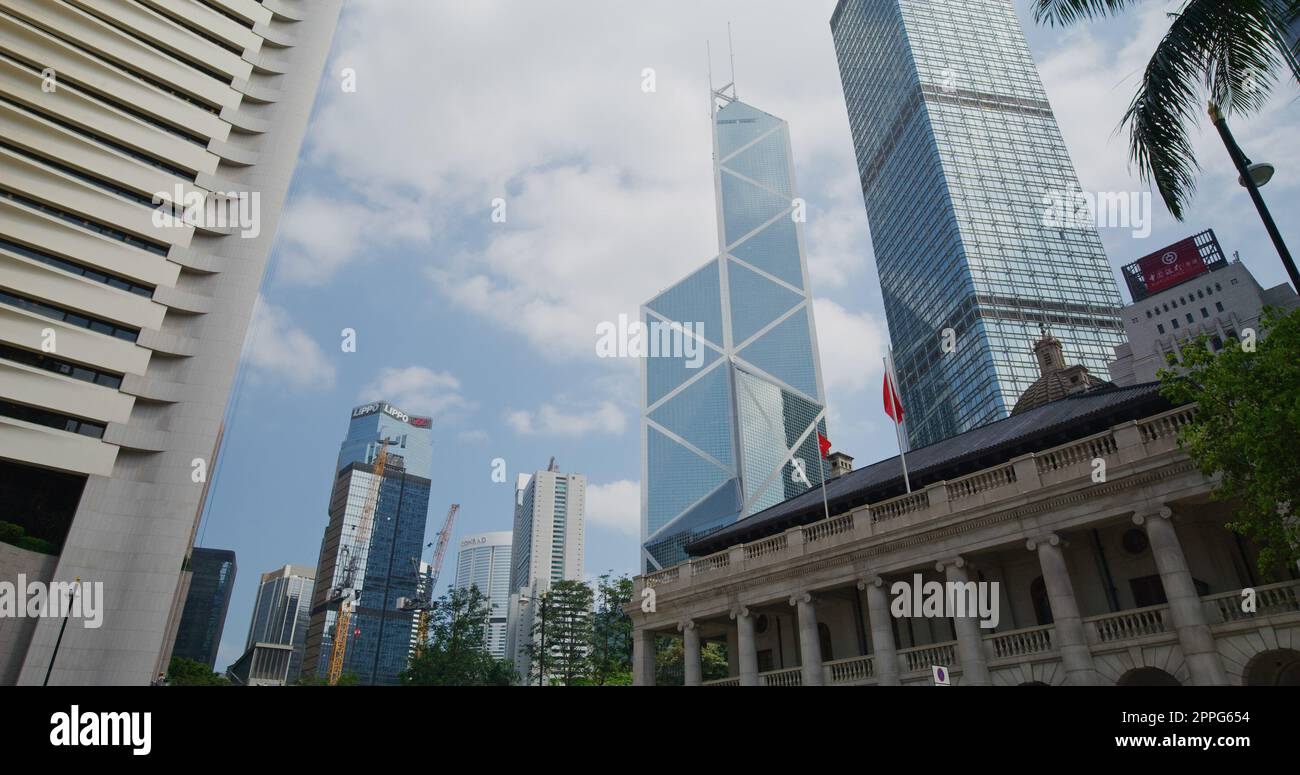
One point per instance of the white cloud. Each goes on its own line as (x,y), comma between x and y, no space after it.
(609,189)
(615,506)
(278,350)
(473,436)
(851,347)
(551,421)
(415,389)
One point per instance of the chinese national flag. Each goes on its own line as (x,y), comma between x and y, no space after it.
(824,443)
(893,404)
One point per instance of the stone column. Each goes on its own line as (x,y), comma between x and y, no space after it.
(884,652)
(748,654)
(810,643)
(1067,625)
(970,640)
(643,658)
(1185,608)
(691,652)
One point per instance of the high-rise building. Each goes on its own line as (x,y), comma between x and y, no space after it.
(123,302)
(483,561)
(730,427)
(1182,291)
(204,617)
(546,547)
(374,552)
(281,613)
(961,163)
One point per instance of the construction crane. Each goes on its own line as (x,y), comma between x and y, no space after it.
(430,583)
(346,594)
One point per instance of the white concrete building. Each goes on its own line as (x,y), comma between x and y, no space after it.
(483,561)
(1217,297)
(146,148)
(547,546)
(1127,577)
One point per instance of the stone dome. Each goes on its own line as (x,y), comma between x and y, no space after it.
(1057,380)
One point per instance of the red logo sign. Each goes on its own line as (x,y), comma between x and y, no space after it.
(1171,266)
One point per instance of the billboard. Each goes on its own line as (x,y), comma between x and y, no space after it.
(1171,265)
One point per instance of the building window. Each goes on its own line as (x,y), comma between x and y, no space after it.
(1205,313)
(1174,321)
(1190,319)
(1218,305)
(1160,327)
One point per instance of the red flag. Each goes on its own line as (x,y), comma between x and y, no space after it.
(893,404)
(824,443)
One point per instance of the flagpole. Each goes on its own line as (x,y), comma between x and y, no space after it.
(821,460)
(894,387)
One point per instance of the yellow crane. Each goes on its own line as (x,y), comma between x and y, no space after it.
(347,593)
(430,582)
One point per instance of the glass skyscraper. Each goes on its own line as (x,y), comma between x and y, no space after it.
(960,160)
(379,556)
(281,613)
(734,431)
(204,616)
(484,562)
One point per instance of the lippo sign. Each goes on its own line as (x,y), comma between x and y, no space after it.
(1172,265)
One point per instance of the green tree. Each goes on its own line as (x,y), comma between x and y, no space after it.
(345,679)
(562,633)
(187,672)
(1225,51)
(611,641)
(1246,428)
(670,661)
(456,654)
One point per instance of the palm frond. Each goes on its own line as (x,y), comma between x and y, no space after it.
(1225,50)
(1066,12)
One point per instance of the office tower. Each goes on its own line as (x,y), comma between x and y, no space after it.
(123,306)
(204,617)
(961,164)
(483,561)
(1182,291)
(372,544)
(546,547)
(280,616)
(731,427)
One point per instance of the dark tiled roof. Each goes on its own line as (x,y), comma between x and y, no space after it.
(1044,427)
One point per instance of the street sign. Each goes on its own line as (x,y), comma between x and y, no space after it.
(940,674)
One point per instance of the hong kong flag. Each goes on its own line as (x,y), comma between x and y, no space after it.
(824,443)
(893,404)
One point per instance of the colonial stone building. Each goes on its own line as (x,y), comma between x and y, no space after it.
(1111,562)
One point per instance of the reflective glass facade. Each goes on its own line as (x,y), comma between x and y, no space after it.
(199,634)
(959,155)
(725,436)
(378,557)
(281,613)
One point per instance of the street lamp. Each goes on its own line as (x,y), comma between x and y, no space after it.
(1252,176)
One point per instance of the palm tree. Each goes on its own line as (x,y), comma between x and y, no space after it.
(1223,51)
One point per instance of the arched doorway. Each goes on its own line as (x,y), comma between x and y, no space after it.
(1278,667)
(1147,676)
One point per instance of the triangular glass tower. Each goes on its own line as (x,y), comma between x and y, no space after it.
(735,431)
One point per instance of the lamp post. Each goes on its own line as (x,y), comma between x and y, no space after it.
(1252,176)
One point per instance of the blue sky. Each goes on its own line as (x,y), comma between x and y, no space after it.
(490,327)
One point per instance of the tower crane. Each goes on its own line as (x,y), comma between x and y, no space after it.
(430,583)
(346,594)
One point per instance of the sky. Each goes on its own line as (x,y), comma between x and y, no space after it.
(489,325)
